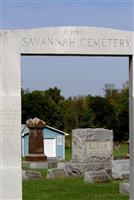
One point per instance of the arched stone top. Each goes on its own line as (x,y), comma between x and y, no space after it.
(68,40)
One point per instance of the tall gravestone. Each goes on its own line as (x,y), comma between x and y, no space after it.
(91,150)
(36,141)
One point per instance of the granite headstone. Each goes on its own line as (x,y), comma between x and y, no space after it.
(91,150)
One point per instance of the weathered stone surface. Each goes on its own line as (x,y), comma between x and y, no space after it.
(40,165)
(29,174)
(91,150)
(34,165)
(54,40)
(35,123)
(124,188)
(61,165)
(96,176)
(92,145)
(120,169)
(56,173)
(36,144)
(78,169)
(74,169)
(52,164)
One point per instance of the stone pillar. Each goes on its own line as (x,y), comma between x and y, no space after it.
(127,155)
(36,143)
(131,125)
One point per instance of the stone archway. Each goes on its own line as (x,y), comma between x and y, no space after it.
(48,41)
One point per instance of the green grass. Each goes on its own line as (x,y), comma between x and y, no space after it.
(70,189)
(73,188)
(68,154)
(121,153)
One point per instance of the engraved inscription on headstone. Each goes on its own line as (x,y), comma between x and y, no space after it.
(91,150)
(100,149)
(88,143)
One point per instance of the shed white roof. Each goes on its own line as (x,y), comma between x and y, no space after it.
(25,130)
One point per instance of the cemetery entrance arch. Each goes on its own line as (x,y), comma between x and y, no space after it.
(48,41)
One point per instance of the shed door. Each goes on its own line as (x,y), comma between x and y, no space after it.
(50,147)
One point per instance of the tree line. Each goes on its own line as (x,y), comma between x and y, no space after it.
(109,111)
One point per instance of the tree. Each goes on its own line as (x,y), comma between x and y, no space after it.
(109,111)
(118,100)
(122,114)
(100,110)
(42,104)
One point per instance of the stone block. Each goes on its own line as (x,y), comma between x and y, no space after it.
(29,174)
(120,169)
(34,165)
(91,150)
(61,165)
(56,173)
(96,176)
(75,169)
(124,188)
(52,162)
(91,144)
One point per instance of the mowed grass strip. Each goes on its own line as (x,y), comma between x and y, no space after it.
(70,189)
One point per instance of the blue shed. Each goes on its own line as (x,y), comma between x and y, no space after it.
(54,142)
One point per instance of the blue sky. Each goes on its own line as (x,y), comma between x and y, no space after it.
(74,75)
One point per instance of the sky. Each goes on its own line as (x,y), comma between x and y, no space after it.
(73,75)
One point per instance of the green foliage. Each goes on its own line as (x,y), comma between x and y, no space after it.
(118,100)
(109,111)
(101,111)
(70,189)
(43,104)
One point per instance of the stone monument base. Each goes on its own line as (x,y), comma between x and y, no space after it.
(124,188)
(56,173)
(36,157)
(30,175)
(78,169)
(50,163)
(120,169)
(99,176)
(34,165)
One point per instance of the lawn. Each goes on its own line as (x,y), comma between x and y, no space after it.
(68,154)
(70,189)
(73,188)
(121,153)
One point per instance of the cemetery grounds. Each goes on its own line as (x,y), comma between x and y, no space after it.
(73,188)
